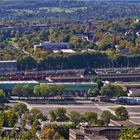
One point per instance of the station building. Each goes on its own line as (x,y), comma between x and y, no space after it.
(70,89)
(9,85)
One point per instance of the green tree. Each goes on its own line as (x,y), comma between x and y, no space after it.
(37,91)
(18,90)
(112,90)
(26,63)
(23,121)
(44,35)
(60,90)
(27,90)
(98,81)
(61,114)
(2,96)
(45,90)
(107,90)
(51,115)
(104,45)
(1,121)
(100,122)
(63,129)
(29,135)
(36,114)
(106,116)
(130,134)
(90,117)
(53,90)
(20,109)
(75,117)
(9,118)
(13,133)
(121,113)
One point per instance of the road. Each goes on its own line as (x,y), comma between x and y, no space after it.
(134,111)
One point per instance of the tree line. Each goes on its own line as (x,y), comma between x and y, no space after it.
(37,91)
(46,91)
(78,60)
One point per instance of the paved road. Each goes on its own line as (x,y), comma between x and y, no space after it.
(102,108)
(82,108)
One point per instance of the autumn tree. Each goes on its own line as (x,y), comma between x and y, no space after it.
(9,118)
(49,134)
